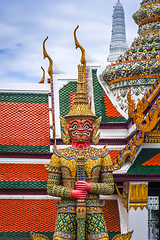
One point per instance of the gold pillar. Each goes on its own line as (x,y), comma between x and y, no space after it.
(138,195)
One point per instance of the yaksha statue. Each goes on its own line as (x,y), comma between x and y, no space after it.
(80,173)
(84,171)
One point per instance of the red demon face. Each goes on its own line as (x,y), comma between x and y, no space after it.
(80,130)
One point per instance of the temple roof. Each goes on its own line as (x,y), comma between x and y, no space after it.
(147,162)
(24,125)
(146,118)
(28,176)
(22,217)
(103,105)
(23,176)
(39,215)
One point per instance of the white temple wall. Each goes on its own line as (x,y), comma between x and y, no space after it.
(138,221)
(123,216)
(138,212)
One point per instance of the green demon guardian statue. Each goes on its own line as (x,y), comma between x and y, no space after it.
(78,174)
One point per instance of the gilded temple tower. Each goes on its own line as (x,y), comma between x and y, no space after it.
(118,39)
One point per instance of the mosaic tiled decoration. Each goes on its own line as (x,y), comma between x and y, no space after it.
(39,216)
(139,67)
(148,161)
(24,123)
(103,105)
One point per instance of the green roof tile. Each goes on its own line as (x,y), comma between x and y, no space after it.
(23,185)
(145,155)
(71,87)
(64,97)
(23,148)
(99,101)
(24,97)
(10,235)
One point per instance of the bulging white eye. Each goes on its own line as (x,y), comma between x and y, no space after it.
(87,127)
(75,126)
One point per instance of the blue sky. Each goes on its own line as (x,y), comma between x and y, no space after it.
(25,24)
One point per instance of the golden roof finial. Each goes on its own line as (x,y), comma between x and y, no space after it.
(79,46)
(43,77)
(45,54)
(50,70)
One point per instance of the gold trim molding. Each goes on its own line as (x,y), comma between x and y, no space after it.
(43,77)
(138,196)
(154,137)
(123,197)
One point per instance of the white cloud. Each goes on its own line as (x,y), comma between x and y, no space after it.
(25,24)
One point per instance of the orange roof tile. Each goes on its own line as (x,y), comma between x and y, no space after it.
(27,215)
(72,99)
(24,124)
(110,110)
(111,215)
(30,172)
(113,153)
(23,172)
(40,215)
(153,161)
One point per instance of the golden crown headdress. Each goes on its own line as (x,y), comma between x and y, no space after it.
(81,108)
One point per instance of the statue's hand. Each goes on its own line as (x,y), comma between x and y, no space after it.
(83,185)
(78,194)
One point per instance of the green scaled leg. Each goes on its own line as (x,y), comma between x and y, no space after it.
(81,229)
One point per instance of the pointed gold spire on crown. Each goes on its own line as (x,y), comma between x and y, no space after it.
(81,108)
(81,95)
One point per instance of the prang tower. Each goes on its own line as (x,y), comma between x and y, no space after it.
(118,39)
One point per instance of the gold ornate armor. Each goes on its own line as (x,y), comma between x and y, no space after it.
(63,170)
(63,165)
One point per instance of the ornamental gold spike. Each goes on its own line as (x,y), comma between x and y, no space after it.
(50,70)
(123,197)
(79,46)
(83,58)
(43,77)
(45,54)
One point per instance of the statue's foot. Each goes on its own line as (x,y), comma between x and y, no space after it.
(125,236)
(36,236)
